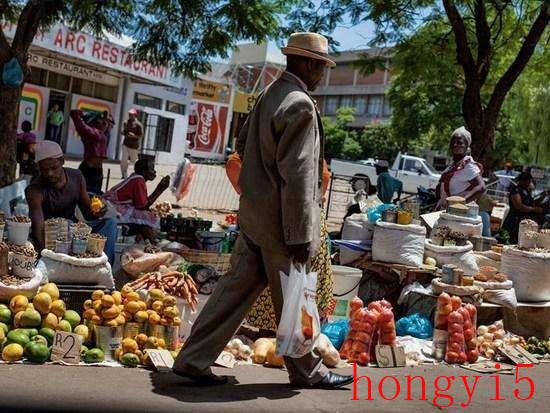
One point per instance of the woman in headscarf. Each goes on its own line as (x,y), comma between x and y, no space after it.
(463,176)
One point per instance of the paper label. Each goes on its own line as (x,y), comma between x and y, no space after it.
(162,360)
(226,359)
(390,356)
(66,347)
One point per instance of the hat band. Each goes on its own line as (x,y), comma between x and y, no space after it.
(325,55)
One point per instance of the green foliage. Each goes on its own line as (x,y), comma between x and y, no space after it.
(343,142)
(428,86)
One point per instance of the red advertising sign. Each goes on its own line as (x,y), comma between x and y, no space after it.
(210,130)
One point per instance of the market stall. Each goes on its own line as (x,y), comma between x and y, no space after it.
(407,294)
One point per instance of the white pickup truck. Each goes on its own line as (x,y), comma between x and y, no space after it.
(410,170)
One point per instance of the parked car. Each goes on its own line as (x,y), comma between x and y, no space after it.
(411,170)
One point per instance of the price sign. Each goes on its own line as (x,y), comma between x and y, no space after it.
(161,359)
(226,359)
(518,354)
(390,356)
(66,347)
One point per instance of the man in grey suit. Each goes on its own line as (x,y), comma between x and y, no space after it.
(281,147)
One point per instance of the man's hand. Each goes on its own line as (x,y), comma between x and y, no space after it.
(164,183)
(300,253)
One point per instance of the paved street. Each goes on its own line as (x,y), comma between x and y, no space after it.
(57,388)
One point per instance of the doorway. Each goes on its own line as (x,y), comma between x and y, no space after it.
(55,118)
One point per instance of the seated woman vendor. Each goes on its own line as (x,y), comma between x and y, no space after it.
(132,202)
(57,191)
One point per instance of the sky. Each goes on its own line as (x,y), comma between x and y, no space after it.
(356,37)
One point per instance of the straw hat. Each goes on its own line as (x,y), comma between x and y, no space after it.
(312,45)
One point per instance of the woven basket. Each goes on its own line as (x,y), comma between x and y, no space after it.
(439,287)
(220,262)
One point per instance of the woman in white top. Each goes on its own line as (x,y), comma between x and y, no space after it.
(463,177)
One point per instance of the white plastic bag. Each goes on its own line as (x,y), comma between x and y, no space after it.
(398,244)
(299,326)
(472,227)
(65,269)
(461,256)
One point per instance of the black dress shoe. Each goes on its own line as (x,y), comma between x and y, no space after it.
(330,381)
(202,379)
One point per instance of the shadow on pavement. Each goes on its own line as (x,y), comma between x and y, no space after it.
(170,385)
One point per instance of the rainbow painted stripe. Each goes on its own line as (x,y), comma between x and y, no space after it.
(35,97)
(86,105)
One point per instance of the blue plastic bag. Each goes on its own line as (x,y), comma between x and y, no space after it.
(12,74)
(374,214)
(336,332)
(416,325)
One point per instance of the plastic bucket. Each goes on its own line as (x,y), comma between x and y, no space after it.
(79,246)
(210,241)
(108,339)
(346,287)
(18,232)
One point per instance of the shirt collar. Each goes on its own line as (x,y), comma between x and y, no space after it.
(300,81)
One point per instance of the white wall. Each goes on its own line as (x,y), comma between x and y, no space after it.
(179,143)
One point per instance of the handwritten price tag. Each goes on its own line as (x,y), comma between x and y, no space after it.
(66,347)
(161,359)
(390,356)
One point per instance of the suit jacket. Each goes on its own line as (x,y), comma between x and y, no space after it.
(281,147)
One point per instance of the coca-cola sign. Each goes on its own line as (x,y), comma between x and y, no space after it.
(210,132)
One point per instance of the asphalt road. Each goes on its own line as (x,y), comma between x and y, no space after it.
(259,389)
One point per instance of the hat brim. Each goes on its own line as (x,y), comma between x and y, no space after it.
(308,53)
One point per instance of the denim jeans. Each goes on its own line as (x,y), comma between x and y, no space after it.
(108,228)
(486,220)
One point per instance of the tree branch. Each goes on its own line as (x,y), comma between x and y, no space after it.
(27,27)
(463,51)
(507,80)
(483,34)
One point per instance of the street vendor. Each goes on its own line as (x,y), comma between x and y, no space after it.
(463,177)
(280,203)
(387,185)
(94,139)
(132,203)
(522,205)
(56,192)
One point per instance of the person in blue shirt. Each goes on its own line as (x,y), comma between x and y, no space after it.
(387,185)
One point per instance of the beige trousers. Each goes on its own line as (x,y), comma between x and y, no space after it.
(125,154)
(252,269)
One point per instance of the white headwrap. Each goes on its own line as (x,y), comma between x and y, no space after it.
(462,132)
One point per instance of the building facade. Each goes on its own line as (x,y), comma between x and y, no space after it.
(345,86)
(75,70)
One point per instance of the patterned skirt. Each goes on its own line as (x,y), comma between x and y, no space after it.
(262,314)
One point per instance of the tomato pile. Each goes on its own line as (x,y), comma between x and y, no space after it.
(459,320)
(368,326)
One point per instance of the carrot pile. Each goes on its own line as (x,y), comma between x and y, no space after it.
(171,282)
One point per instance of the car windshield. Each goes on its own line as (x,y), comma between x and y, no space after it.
(430,169)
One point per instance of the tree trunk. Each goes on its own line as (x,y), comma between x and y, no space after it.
(9,111)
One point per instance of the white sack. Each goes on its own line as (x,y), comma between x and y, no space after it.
(398,244)
(357,227)
(530,272)
(65,269)
(472,227)
(28,289)
(461,256)
(505,298)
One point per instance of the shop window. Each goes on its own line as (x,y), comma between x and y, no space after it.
(37,76)
(331,104)
(58,81)
(158,132)
(83,87)
(148,101)
(360,105)
(374,105)
(175,107)
(105,92)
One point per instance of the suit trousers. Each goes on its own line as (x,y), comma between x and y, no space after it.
(252,269)
(125,154)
